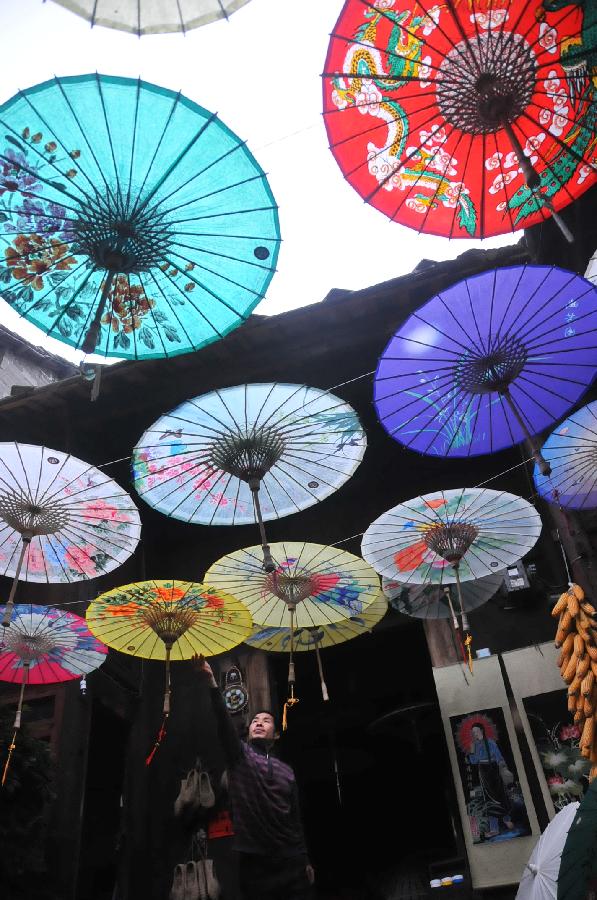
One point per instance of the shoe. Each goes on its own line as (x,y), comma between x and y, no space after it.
(207,797)
(192,885)
(177,891)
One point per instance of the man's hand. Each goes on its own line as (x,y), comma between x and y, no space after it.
(202,667)
(310,874)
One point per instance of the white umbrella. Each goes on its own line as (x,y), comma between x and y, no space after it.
(540,878)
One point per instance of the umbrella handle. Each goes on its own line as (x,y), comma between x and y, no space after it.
(544,466)
(90,340)
(268,562)
(17,724)
(25,541)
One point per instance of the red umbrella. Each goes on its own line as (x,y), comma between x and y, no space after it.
(464,118)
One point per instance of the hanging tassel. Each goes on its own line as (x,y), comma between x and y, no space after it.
(166,710)
(17,723)
(11,747)
(324,689)
(158,741)
(291,701)
(468,642)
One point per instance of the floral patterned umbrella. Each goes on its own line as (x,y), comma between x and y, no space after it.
(311,585)
(152,16)
(248,454)
(489,361)
(42,646)
(451,536)
(61,520)
(464,119)
(133,223)
(169,620)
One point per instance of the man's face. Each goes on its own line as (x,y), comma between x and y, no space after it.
(262,726)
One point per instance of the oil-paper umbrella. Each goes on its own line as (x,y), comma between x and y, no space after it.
(61,520)
(464,120)
(577,876)
(248,454)
(311,585)
(168,620)
(44,645)
(489,362)
(152,16)
(281,640)
(451,536)
(571,451)
(133,223)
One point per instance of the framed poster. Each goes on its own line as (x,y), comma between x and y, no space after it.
(499,822)
(556,739)
(493,796)
(541,698)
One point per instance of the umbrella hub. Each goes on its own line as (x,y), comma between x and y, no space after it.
(487,372)
(486,82)
(29,646)
(29,518)
(122,240)
(290,588)
(169,624)
(451,541)
(248,456)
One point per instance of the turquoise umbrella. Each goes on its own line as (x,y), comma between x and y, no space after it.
(133,223)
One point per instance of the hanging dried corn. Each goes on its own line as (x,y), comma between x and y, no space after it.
(577,639)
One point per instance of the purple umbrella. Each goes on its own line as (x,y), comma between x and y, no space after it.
(489,362)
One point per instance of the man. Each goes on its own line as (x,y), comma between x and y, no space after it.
(273,862)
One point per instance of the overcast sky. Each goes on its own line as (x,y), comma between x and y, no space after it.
(261,72)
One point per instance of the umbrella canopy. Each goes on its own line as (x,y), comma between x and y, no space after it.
(464,120)
(277,640)
(152,16)
(578,866)
(248,454)
(540,877)
(451,536)
(61,520)
(571,451)
(488,362)
(133,223)
(435,601)
(45,645)
(144,618)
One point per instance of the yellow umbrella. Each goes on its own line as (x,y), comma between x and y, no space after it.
(311,585)
(169,620)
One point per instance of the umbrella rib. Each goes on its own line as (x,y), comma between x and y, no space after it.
(205,268)
(207,290)
(424,172)
(139,206)
(110,142)
(171,307)
(239,146)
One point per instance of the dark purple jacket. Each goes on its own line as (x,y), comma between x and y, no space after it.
(263,794)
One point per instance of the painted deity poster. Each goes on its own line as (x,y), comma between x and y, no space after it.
(493,796)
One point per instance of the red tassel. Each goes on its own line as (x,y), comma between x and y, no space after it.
(159,739)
